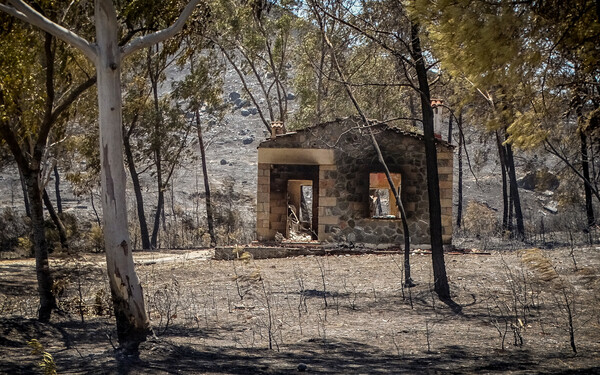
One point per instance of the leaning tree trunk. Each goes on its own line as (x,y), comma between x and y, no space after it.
(505,202)
(459,205)
(408,281)
(514,192)
(139,198)
(25,194)
(57,190)
(40,246)
(128,298)
(62,232)
(407,275)
(433,186)
(585,169)
(209,211)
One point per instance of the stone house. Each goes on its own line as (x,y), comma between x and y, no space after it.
(327,179)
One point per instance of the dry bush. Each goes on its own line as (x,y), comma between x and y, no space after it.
(480,220)
(564,294)
(14,236)
(511,310)
(165,303)
(95,238)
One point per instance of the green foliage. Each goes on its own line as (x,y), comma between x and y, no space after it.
(23,70)
(20,75)
(527,59)
(203,87)
(46,364)
(257,38)
(24,245)
(374,73)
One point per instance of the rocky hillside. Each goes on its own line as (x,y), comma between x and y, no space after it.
(231,146)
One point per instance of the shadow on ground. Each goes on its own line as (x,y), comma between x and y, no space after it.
(86,349)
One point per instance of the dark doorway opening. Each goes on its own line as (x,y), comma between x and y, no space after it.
(300,210)
(294,201)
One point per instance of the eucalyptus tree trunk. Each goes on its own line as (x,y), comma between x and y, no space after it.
(127,294)
(29,171)
(413,111)
(139,198)
(585,170)
(40,246)
(459,206)
(57,190)
(156,142)
(319,71)
(450,129)
(25,193)
(514,192)
(433,186)
(62,232)
(160,204)
(209,210)
(106,54)
(505,201)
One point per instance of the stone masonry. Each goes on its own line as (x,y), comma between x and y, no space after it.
(338,157)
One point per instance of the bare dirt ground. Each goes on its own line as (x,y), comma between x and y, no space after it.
(334,314)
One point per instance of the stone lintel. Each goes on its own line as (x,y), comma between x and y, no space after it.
(327,201)
(302,156)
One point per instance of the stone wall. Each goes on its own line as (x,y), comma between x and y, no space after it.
(263,228)
(343,187)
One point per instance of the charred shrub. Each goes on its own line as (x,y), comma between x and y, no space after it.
(480,220)
(14,236)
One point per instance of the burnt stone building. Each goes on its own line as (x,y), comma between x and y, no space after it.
(328,178)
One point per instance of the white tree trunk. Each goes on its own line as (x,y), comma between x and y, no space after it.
(128,298)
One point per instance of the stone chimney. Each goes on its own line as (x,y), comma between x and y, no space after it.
(277,128)
(436,105)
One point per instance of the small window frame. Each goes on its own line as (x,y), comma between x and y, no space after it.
(379,187)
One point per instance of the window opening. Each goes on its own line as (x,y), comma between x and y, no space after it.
(382,200)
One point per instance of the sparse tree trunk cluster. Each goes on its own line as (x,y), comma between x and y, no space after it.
(29,158)
(107,56)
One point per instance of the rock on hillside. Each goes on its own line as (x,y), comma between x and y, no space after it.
(231,148)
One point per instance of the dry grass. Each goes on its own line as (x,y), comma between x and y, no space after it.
(337,314)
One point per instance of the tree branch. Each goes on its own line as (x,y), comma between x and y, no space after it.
(24,12)
(380,42)
(551,149)
(73,95)
(245,84)
(159,36)
(365,123)
(11,140)
(462,136)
